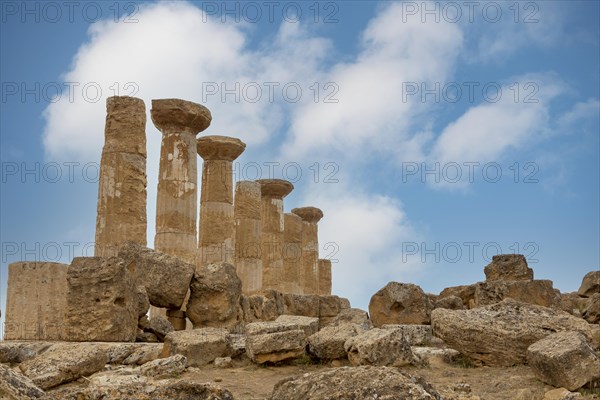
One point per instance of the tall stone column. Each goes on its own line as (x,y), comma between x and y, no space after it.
(272,193)
(122,185)
(310,247)
(216,241)
(324,277)
(293,274)
(248,235)
(176,206)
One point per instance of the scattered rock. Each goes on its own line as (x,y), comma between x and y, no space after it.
(508,267)
(360,383)
(143,353)
(14,386)
(591,312)
(465,292)
(564,359)
(499,334)
(400,303)
(215,297)
(306,305)
(165,367)
(428,354)
(276,346)
(200,346)
(146,337)
(415,335)
(572,303)
(266,306)
(17,352)
(284,323)
(64,362)
(539,292)
(328,343)
(386,347)
(352,316)
(590,284)
(101,301)
(160,326)
(223,362)
(561,394)
(166,278)
(450,302)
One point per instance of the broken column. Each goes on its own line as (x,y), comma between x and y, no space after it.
(293,274)
(176,206)
(248,235)
(122,183)
(310,247)
(324,277)
(217,228)
(272,193)
(36,301)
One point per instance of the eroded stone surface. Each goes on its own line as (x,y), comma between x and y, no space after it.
(310,247)
(248,236)
(328,343)
(590,284)
(538,292)
(386,347)
(591,311)
(400,303)
(508,267)
(14,385)
(199,346)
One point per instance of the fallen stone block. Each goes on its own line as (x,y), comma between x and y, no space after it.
(384,347)
(199,346)
(400,303)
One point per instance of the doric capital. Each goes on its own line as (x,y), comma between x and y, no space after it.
(180,115)
(309,214)
(276,188)
(220,147)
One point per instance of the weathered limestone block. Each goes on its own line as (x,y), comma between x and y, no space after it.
(328,343)
(400,303)
(177,203)
(591,312)
(248,236)
(64,362)
(276,346)
(354,383)
(165,367)
(166,278)
(450,302)
(13,352)
(284,323)
(590,284)
(102,301)
(293,274)
(298,304)
(324,277)
(122,182)
(352,316)
(499,334)
(310,247)
(572,303)
(564,359)
(132,353)
(177,318)
(561,394)
(217,223)
(266,306)
(380,347)
(428,354)
(272,193)
(215,297)
(199,346)
(143,302)
(223,362)
(14,386)
(415,335)
(36,301)
(538,292)
(465,292)
(508,267)
(159,326)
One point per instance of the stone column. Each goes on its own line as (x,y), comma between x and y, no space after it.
(217,227)
(248,236)
(293,274)
(324,277)
(272,193)
(310,247)
(122,185)
(176,206)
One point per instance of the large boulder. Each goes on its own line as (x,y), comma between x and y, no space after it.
(450,302)
(102,301)
(165,277)
(306,305)
(328,343)
(591,312)
(15,386)
(352,316)
(400,303)
(539,292)
(64,362)
(265,306)
(415,335)
(572,303)
(590,284)
(159,326)
(165,367)
(465,292)
(508,267)
(215,297)
(380,347)
(499,334)
(360,383)
(199,346)
(564,359)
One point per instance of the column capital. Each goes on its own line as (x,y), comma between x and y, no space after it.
(180,115)
(219,147)
(309,214)
(276,188)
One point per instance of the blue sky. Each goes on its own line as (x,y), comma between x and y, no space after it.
(432,135)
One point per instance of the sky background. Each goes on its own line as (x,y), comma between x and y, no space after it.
(432,135)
